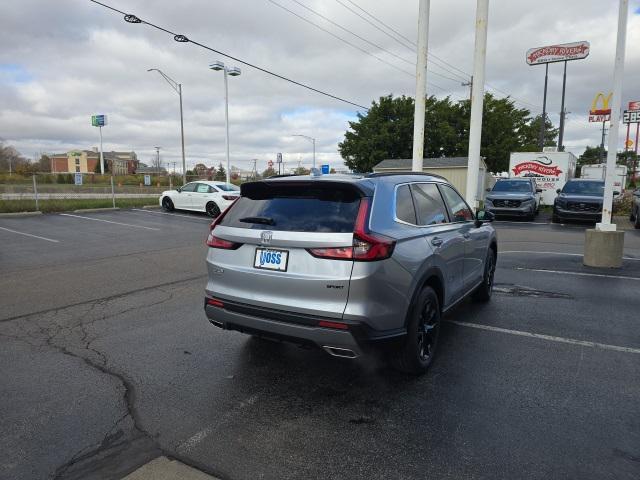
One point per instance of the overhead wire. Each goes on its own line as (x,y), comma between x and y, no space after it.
(130,18)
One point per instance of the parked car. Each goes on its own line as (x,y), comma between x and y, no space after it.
(635,208)
(579,199)
(514,197)
(348,262)
(201,196)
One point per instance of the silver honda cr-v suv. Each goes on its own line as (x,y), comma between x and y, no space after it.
(348,262)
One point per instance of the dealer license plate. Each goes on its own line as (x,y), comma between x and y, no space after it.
(271,259)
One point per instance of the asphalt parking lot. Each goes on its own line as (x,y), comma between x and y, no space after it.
(108,361)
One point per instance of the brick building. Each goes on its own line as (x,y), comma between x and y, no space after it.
(87,161)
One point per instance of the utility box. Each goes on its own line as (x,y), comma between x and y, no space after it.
(599,171)
(551,170)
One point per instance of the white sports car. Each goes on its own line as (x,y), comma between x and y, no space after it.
(201,196)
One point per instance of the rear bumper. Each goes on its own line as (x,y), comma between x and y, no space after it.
(292,327)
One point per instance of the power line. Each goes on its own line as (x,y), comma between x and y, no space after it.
(429,54)
(340,38)
(352,44)
(130,18)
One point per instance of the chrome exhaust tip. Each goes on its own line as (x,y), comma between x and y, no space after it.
(340,352)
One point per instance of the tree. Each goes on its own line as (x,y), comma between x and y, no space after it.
(386,131)
(10,158)
(200,169)
(269,172)
(592,155)
(221,173)
(301,171)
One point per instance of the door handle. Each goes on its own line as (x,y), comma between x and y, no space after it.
(436,242)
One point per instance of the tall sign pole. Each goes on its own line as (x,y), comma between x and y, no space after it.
(100,121)
(421,86)
(618,73)
(561,133)
(477,99)
(543,122)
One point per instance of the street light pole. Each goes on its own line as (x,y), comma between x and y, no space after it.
(234,72)
(421,86)
(313,141)
(178,89)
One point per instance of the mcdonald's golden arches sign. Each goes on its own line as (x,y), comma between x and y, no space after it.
(600,111)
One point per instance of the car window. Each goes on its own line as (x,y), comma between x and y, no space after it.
(213,189)
(512,186)
(297,209)
(405,210)
(189,187)
(202,188)
(460,211)
(228,187)
(584,188)
(430,208)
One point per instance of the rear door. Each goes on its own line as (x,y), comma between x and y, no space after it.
(200,196)
(443,237)
(276,223)
(475,239)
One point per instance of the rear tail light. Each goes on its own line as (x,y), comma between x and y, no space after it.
(215,242)
(230,197)
(337,325)
(366,246)
(215,303)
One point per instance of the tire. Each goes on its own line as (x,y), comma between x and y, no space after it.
(636,223)
(167,204)
(555,218)
(213,210)
(485,290)
(632,215)
(416,353)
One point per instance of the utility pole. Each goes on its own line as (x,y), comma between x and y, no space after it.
(470,85)
(477,98)
(157,160)
(604,134)
(421,86)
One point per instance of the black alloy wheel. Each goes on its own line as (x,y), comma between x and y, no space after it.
(485,290)
(212,209)
(167,204)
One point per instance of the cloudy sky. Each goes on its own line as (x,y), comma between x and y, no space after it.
(62,61)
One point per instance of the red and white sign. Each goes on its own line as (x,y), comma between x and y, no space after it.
(537,168)
(558,53)
(270,162)
(635,105)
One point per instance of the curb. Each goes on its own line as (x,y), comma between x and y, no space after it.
(89,210)
(20,214)
(151,206)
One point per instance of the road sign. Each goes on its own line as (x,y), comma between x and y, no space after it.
(270,163)
(78,179)
(147,180)
(325,169)
(98,120)
(558,53)
(631,116)
(279,158)
(597,114)
(635,105)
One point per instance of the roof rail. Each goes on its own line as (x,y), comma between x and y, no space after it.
(390,174)
(284,175)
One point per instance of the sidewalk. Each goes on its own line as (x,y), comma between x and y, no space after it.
(162,468)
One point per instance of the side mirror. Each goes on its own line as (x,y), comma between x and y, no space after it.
(488,189)
(615,193)
(558,190)
(179,189)
(482,216)
(538,190)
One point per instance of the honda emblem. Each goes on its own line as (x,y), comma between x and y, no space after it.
(266,237)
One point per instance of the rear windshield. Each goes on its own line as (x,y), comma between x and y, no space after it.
(584,188)
(297,210)
(512,186)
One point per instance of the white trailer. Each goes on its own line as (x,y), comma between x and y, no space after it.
(551,170)
(598,172)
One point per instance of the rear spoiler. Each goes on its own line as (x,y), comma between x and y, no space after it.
(263,189)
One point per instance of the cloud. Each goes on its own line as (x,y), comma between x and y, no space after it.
(61,62)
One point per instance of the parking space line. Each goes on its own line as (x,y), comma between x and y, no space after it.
(551,338)
(521,223)
(172,214)
(108,221)
(30,235)
(579,274)
(558,253)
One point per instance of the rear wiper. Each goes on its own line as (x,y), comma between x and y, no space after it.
(262,220)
